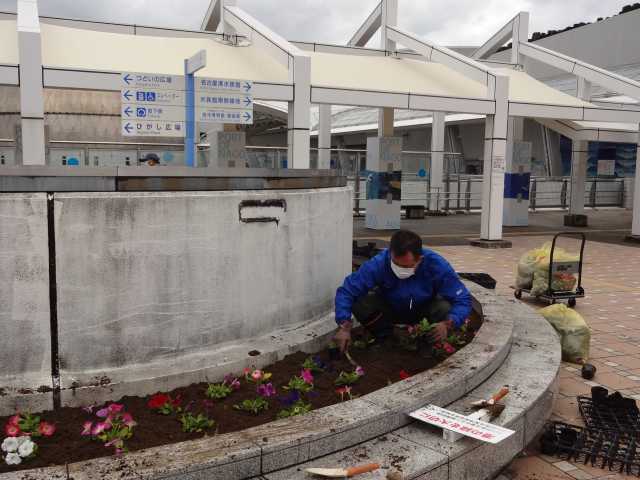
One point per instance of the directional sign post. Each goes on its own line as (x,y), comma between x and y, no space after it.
(154,104)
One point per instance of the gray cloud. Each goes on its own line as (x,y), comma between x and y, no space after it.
(450,22)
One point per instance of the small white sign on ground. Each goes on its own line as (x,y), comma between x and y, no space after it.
(440,417)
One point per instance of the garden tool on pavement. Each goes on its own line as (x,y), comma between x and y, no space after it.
(491,405)
(343,472)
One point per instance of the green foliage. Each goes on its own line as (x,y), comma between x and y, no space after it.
(310,364)
(298,408)
(254,406)
(29,424)
(347,378)
(192,423)
(218,391)
(455,340)
(298,383)
(423,327)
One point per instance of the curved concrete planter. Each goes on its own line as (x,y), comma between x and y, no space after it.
(284,443)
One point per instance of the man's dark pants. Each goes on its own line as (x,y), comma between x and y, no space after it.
(377,316)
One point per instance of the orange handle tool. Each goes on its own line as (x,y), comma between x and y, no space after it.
(370,467)
(500,395)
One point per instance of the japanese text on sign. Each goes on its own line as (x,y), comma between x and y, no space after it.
(470,427)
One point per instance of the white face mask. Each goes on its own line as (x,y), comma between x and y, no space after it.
(401,272)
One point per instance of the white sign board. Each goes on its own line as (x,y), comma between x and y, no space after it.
(606,168)
(440,417)
(223,100)
(221,115)
(140,128)
(227,85)
(136,111)
(151,80)
(147,96)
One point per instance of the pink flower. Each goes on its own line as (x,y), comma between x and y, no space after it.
(411,329)
(127,419)
(307,376)
(99,427)
(115,408)
(119,451)
(256,375)
(12,430)
(103,413)
(449,348)
(246,372)
(359,371)
(86,428)
(266,390)
(46,429)
(14,420)
(235,384)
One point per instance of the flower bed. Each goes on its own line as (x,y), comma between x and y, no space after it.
(292,386)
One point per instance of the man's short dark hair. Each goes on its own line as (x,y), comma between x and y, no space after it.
(405,241)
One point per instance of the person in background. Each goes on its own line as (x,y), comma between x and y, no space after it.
(401,285)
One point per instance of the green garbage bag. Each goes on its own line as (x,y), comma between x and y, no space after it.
(575,336)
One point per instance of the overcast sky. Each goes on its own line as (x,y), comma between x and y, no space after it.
(449,22)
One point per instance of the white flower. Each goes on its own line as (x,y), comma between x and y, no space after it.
(26,449)
(10,444)
(13,459)
(21,440)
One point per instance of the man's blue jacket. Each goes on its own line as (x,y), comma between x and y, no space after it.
(434,276)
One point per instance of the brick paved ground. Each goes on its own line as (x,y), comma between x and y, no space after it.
(612,309)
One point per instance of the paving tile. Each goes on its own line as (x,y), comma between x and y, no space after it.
(534,468)
(565,466)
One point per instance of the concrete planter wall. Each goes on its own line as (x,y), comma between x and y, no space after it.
(151,282)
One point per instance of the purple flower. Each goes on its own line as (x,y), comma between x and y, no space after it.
(292,397)
(318,361)
(359,371)
(207,404)
(312,394)
(266,390)
(235,384)
(103,413)
(229,378)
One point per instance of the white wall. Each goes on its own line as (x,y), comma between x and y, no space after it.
(144,277)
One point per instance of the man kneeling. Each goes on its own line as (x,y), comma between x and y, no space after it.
(402,285)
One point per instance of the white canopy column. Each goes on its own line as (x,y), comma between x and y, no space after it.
(517,176)
(635,227)
(31,90)
(436,172)
(579,156)
(324,137)
(495,149)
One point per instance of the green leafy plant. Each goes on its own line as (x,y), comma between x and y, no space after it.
(254,406)
(349,378)
(218,391)
(195,423)
(298,408)
(314,364)
(421,329)
(455,340)
(298,384)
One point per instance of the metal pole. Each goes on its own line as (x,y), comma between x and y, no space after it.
(190,117)
(533,193)
(563,194)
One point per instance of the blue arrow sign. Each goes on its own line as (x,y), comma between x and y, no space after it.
(128,111)
(247,101)
(247,86)
(247,116)
(128,95)
(128,127)
(127,78)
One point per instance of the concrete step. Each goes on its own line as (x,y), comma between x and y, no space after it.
(418,450)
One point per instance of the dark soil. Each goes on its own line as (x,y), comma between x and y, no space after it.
(382,365)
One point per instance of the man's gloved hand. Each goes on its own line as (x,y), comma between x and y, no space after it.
(343,336)
(440,331)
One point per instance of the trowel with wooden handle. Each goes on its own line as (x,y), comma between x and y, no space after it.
(492,404)
(343,472)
